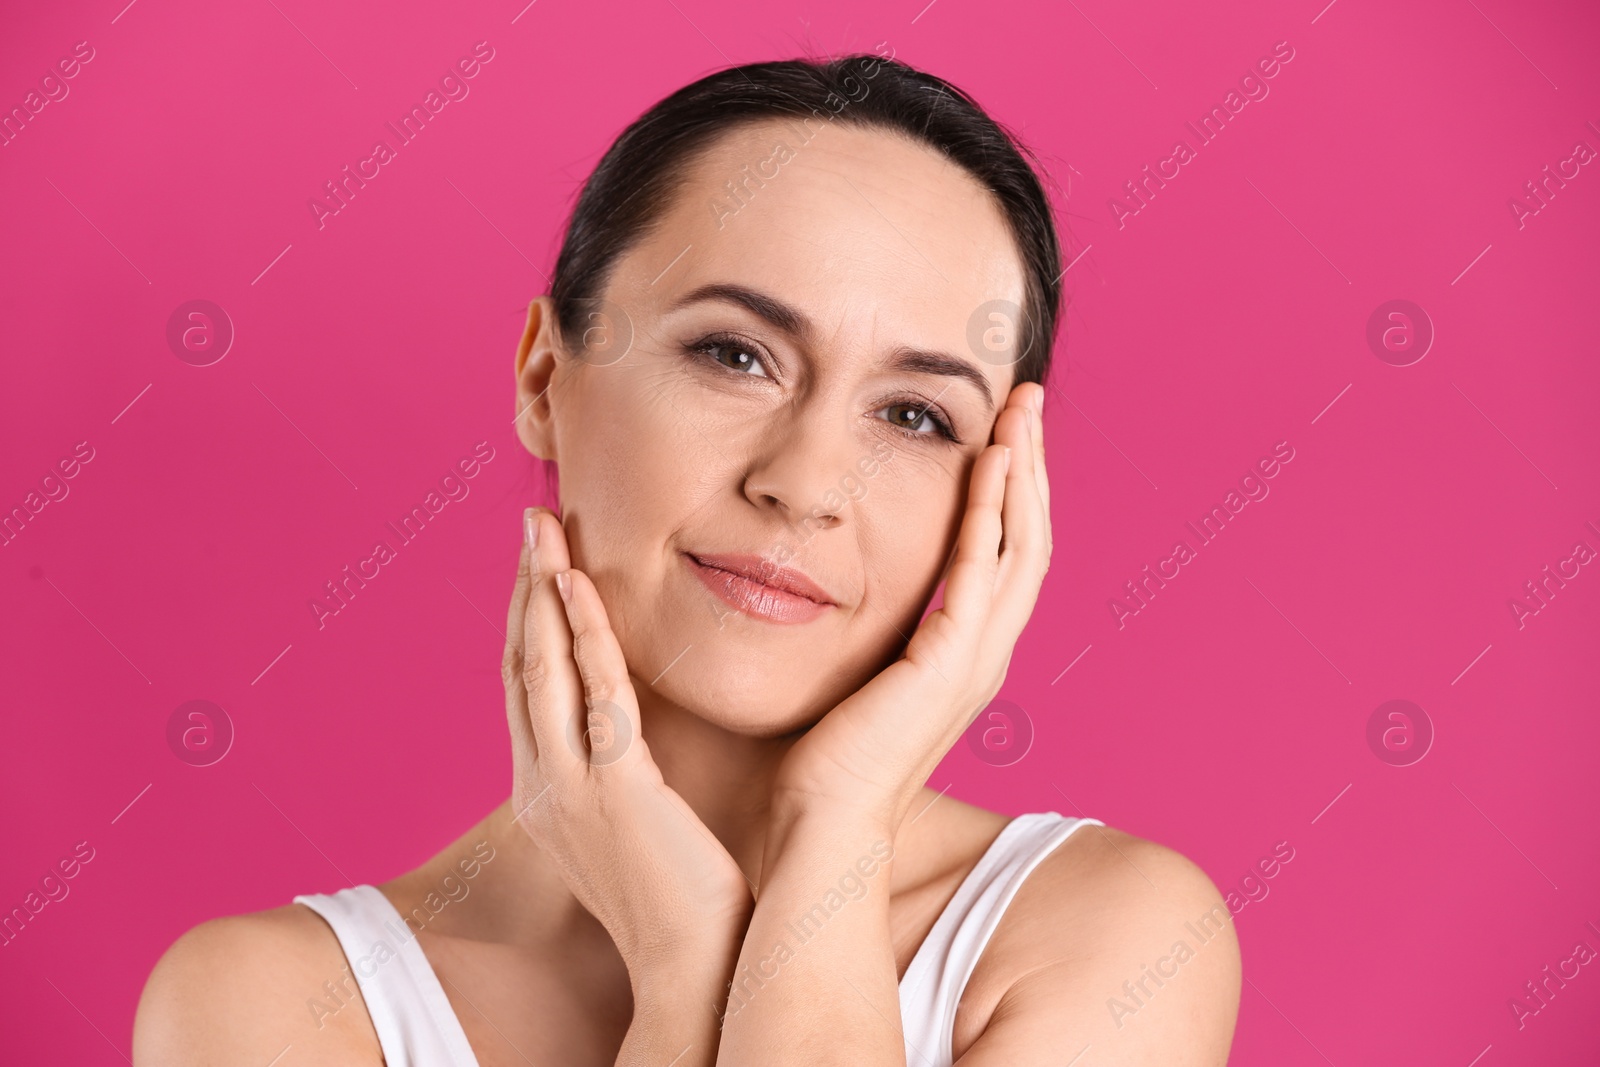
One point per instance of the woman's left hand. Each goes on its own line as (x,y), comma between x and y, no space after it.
(872,754)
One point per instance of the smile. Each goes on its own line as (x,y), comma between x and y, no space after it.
(754,587)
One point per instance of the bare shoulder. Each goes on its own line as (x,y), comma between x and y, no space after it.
(245,988)
(1115,943)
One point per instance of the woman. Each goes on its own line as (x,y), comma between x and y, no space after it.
(724,689)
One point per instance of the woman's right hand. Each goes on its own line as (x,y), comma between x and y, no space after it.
(633,853)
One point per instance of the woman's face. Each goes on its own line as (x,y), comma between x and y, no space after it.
(799,378)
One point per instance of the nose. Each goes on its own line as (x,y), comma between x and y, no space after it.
(801,461)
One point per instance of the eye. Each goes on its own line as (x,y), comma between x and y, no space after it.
(732,353)
(918,418)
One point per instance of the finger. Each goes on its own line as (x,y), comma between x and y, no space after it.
(524,747)
(1024,556)
(549,675)
(612,709)
(969,587)
(1039,464)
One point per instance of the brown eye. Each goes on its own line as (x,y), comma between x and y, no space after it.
(732,353)
(917,419)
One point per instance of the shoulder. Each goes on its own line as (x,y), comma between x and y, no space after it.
(246,987)
(1114,941)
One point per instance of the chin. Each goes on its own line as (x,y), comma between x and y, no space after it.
(744,695)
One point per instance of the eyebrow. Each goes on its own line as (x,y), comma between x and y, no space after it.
(794,323)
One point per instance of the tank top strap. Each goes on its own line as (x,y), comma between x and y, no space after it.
(416,1025)
(937,976)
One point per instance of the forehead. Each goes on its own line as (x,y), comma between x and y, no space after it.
(877,238)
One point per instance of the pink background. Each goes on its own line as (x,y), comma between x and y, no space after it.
(1226,716)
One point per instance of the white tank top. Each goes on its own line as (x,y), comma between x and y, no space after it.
(417,1027)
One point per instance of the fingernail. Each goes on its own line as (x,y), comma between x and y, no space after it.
(530,528)
(564,585)
(1007,467)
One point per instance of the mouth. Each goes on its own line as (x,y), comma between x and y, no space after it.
(758,589)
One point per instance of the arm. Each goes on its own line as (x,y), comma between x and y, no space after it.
(851,779)
(587,791)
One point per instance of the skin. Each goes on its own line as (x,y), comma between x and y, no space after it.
(637,868)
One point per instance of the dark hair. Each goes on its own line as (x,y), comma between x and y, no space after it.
(636,178)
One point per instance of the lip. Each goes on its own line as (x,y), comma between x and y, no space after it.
(755,587)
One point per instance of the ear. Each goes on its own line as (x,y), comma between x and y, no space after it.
(538,354)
